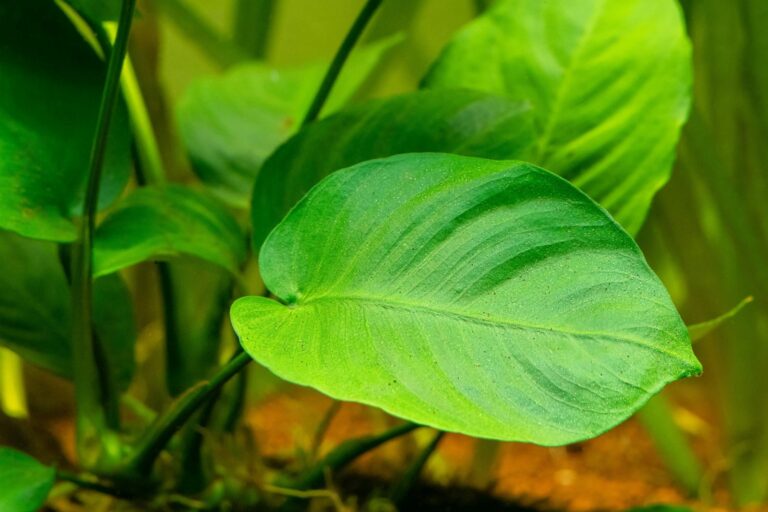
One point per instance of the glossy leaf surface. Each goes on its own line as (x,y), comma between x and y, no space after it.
(35,310)
(464,122)
(485,297)
(230,124)
(157,223)
(49,98)
(24,482)
(609,82)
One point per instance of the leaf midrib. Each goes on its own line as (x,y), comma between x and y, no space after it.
(563,85)
(388,303)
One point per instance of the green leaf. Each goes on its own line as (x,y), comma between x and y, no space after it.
(700,330)
(24,482)
(484,297)
(158,223)
(97,10)
(49,98)
(34,303)
(609,82)
(35,310)
(230,124)
(464,122)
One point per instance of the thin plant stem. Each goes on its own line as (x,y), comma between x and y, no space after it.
(90,482)
(201,33)
(401,489)
(339,59)
(322,429)
(253,23)
(345,453)
(91,416)
(160,433)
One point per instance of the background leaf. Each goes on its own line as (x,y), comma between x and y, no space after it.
(485,297)
(465,122)
(157,223)
(230,124)
(609,82)
(24,482)
(35,310)
(49,98)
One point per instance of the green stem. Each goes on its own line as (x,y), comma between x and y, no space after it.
(160,433)
(339,59)
(345,453)
(89,482)
(322,428)
(253,21)
(91,416)
(657,418)
(406,483)
(200,32)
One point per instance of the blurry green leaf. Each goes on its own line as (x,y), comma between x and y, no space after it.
(115,325)
(97,10)
(49,97)
(35,310)
(34,303)
(230,124)
(609,83)
(158,223)
(465,122)
(698,331)
(485,297)
(24,482)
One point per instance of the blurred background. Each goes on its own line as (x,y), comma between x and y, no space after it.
(706,236)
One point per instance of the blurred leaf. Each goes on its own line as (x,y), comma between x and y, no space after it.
(157,223)
(115,325)
(24,482)
(609,83)
(698,331)
(49,98)
(97,10)
(485,297)
(230,124)
(35,310)
(34,303)
(465,122)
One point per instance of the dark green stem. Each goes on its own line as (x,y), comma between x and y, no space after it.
(345,453)
(253,21)
(401,489)
(161,432)
(322,428)
(91,416)
(339,59)
(89,482)
(199,31)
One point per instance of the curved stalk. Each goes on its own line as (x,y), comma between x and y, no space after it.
(400,490)
(339,59)
(92,418)
(160,433)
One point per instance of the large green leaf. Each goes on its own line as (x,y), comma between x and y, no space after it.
(485,297)
(49,98)
(35,311)
(464,122)
(609,81)
(230,124)
(157,223)
(24,482)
